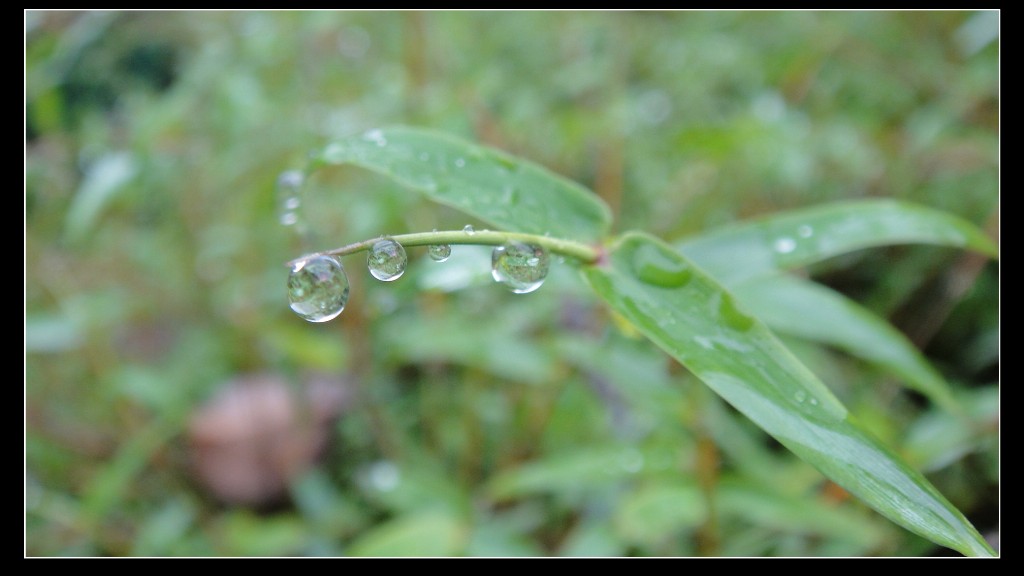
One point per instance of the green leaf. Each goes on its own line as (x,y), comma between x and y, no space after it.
(698,323)
(430,533)
(504,191)
(103,180)
(808,310)
(801,237)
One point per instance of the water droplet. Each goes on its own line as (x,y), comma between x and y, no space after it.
(439,252)
(377,137)
(814,401)
(658,266)
(785,245)
(732,317)
(508,194)
(290,180)
(318,288)
(805,231)
(386,260)
(468,229)
(384,476)
(460,162)
(289,188)
(521,267)
(800,396)
(424,156)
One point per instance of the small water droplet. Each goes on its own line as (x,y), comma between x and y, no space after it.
(732,317)
(659,267)
(386,260)
(424,156)
(521,267)
(805,231)
(785,245)
(318,288)
(439,252)
(289,188)
(800,396)
(460,162)
(468,229)
(508,194)
(384,476)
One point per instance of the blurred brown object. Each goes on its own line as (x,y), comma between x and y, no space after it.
(258,432)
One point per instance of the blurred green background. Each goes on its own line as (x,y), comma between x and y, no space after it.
(175,405)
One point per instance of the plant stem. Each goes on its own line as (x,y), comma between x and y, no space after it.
(582,252)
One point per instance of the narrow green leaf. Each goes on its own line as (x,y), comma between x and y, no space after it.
(801,237)
(103,180)
(698,323)
(504,191)
(808,310)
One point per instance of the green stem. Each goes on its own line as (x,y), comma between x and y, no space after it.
(582,252)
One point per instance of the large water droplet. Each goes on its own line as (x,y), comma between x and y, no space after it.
(521,267)
(318,288)
(468,229)
(785,245)
(386,260)
(657,266)
(439,252)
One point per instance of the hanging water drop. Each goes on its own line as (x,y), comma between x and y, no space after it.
(468,229)
(521,267)
(318,288)
(386,260)
(439,252)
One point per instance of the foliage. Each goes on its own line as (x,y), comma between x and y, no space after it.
(482,422)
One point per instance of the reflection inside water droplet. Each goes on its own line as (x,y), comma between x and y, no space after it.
(386,260)
(318,288)
(439,252)
(521,267)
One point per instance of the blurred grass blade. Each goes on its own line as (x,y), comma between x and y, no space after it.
(507,192)
(801,237)
(697,322)
(802,514)
(808,310)
(428,533)
(103,180)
